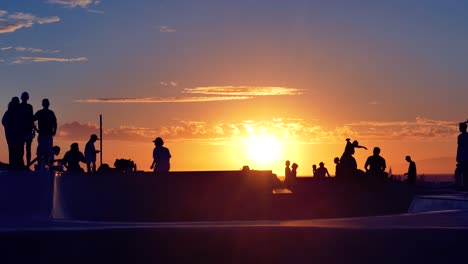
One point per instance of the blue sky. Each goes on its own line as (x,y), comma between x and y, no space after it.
(155,66)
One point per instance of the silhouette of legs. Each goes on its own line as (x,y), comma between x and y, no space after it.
(28,151)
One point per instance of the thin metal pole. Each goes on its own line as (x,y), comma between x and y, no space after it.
(100,138)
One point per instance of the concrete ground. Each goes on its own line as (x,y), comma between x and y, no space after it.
(430,237)
(438,234)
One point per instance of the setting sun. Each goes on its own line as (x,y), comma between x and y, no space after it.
(263,149)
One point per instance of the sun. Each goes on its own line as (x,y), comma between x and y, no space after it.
(263,149)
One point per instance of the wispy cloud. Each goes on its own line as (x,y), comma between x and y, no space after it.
(301,131)
(162,99)
(23,60)
(167,29)
(169,83)
(13,53)
(11,22)
(420,129)
(85,4)
(216,93)
(74,3)
(47,20)
(77,131)
(285,129)
(243,90)
(27,49)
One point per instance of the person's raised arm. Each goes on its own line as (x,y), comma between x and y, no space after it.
(358,146)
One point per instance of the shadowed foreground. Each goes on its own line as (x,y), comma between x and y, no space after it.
(439,237)
(195,223)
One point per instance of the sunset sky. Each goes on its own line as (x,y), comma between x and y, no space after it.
(233,83)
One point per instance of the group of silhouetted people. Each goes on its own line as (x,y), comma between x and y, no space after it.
(19,122)
(347,169)
(21,125)
(320,172)
(290,174)
(375,166)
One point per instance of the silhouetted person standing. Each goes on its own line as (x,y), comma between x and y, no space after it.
(27,125)
(348,164)
(90,154)
(462,155)
(161,157)
(375,165)
(72,158)
(290,181)
(336,160)
(13,136)
(411,171)
(322,172)
(314,170)
(287,170)
(47,128)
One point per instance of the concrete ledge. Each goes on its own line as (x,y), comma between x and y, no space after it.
(427,203)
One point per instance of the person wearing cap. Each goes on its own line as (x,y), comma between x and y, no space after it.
(321,171)
(90,154)
(161,157)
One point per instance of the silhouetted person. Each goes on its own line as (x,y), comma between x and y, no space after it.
(161,157)
(336,160)
(56,163)
(72,158)
(314,170)
(288,175)
(287,170)
(375,165)
(462,155)
(47,128)
(27,125)
(125,165)
(352,146)
(13,134)
(322,172)
(348,164)
(290,182)
(90,154)
(411,171)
